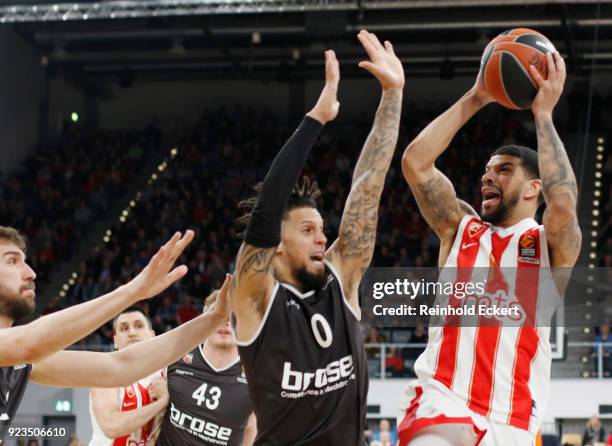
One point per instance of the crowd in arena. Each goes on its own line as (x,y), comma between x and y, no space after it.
(217,165)
(55,194)
(219,161)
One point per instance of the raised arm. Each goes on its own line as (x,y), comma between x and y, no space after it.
(33,342)
(128,365)
(353,249)
(558,180)
(433,192)
(253,280)
(116,423)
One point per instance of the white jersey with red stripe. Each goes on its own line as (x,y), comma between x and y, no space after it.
(128,398)
(499,372)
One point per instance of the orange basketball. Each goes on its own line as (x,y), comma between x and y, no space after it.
(505,66)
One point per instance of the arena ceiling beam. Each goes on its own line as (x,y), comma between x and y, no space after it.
(47,11)
(78,11)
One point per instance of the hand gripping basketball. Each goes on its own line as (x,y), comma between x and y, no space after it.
(549,90)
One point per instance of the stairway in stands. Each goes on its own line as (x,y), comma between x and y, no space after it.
(581,308)
(95,233)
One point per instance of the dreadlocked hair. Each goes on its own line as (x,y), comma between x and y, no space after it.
(304,194)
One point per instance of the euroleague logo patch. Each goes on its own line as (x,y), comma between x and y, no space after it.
(528,246)
(188,358)
(475,228)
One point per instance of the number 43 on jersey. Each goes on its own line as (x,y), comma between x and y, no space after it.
(210,398)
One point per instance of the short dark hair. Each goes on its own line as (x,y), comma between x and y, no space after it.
(528,157)
(12,235)
(304,195)
(132,310)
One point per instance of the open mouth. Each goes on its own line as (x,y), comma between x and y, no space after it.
(223,331)
(317,259)
(490,196)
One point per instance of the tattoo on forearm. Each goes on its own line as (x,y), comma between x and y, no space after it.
(558,182)
(555,169)
(357,234)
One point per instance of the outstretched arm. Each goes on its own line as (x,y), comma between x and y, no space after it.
(558,180)
(354,247)
(433,192)
(33,342)
(253,280)
(128,365)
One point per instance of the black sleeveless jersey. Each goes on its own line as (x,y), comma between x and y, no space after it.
(13,382)
(307,370)
(207,406)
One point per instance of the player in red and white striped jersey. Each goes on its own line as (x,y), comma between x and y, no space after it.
(487,384)
(125,416)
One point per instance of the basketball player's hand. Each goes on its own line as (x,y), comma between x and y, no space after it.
(480,92)
(383,64)
(326,108)
(222,307)
(159,390)
(549,90)
(159,273)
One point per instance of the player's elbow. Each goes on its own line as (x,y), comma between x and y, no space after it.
(112,429)
(109,430)
(413,160)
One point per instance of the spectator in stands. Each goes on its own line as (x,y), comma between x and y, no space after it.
(603,337)
(167,313)
(217,162)
(394,362)
(187,311)
(593,433)
(385,435)
(374,336)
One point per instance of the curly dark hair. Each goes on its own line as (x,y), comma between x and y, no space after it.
(304,194)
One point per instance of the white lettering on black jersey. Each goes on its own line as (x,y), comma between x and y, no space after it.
(306,369)
(207,406)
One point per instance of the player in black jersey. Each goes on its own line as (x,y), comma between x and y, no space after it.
(209,397)
(31,351)
(295,300)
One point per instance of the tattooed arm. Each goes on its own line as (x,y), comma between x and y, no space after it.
(251,287)
(253,282)
(433,192)
(353,249)
(558,180)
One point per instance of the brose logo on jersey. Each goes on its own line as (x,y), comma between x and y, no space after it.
(296,381)
(197,426)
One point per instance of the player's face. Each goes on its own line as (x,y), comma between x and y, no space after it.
(17,288)
(502,186)
(222,338)
(302,246)
(130,329)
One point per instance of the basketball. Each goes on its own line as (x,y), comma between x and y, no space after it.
(505,66)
